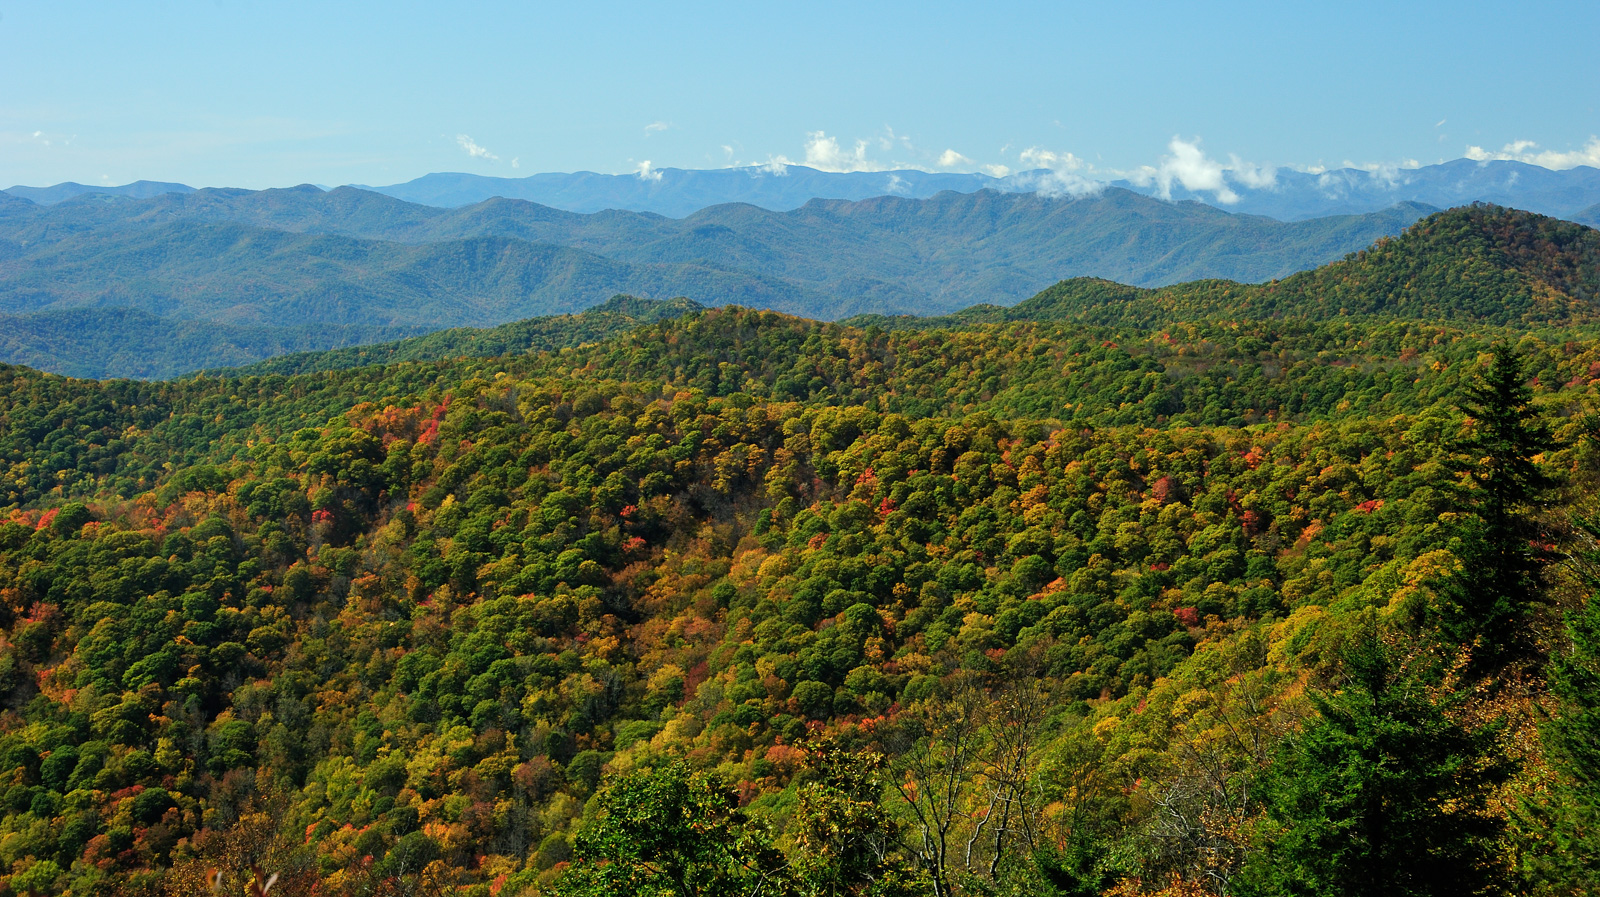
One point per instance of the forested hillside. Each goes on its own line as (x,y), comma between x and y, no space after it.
(617,315)
(1477,264)
(734,602)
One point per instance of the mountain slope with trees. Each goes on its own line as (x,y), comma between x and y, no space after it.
(700,601)
(734,599)
(1474,265)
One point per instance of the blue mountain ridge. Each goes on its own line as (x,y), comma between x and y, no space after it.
(678,193)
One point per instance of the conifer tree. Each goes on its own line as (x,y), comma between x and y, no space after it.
(1381,794)
(1504,556)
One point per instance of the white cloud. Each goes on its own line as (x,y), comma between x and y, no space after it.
(1061,174)
(516,163)
(776,165)
(1524,151)
(1042,158)
(474,150)
(1256,177)
(888,140)
(824,154)
(647,172)
(998,171)
(656,126)
(1188,166)
(952,159)
(1391,173)
(52,139)
(897,185)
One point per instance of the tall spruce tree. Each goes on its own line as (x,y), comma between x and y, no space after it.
(1382,793)
(1504,556)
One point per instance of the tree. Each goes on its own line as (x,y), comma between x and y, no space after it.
(846,842)
(1382,793)
(938,757)
(1505,556)
(1568,824)
(667,832)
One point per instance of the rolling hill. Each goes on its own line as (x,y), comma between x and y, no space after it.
(1476,265)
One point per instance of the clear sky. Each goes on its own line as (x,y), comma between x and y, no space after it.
(261,93)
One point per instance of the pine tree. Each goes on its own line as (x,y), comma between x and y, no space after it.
(1382,794)
(1504,557)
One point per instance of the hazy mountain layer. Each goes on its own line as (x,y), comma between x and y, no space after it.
(1288,195)
(359,261)
(1291,195)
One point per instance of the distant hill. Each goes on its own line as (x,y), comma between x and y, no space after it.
(129,342)
(1479,264)
(138,189)
(885,254)
(678,193)
(1589,216)
(532,335)
(238,274)
(1292,195)
(346,267)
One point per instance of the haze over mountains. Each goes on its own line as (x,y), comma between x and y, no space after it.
(300,268)
(1283,193)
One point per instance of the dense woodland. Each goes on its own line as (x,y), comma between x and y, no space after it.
(1277,602)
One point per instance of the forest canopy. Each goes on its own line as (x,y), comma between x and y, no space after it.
(736,603)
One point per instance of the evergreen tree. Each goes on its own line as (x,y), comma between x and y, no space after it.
(1570,823)
(1504,556)
(1382,794)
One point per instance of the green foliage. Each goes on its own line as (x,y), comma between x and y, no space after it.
(846,840)
(618,314)
(1563,832)
(1383,792)
(1069,582)
(667,832)
(1506,552)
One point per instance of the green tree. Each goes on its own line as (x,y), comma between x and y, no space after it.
(666,832)
(1382,793)
(1505,555)
(846,842)
(1567,827)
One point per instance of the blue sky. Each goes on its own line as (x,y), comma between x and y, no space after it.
(258,94)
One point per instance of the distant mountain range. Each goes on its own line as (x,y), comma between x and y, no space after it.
(1291,196)
(678,192)
(1470,267)
(302,269)
(46,196)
